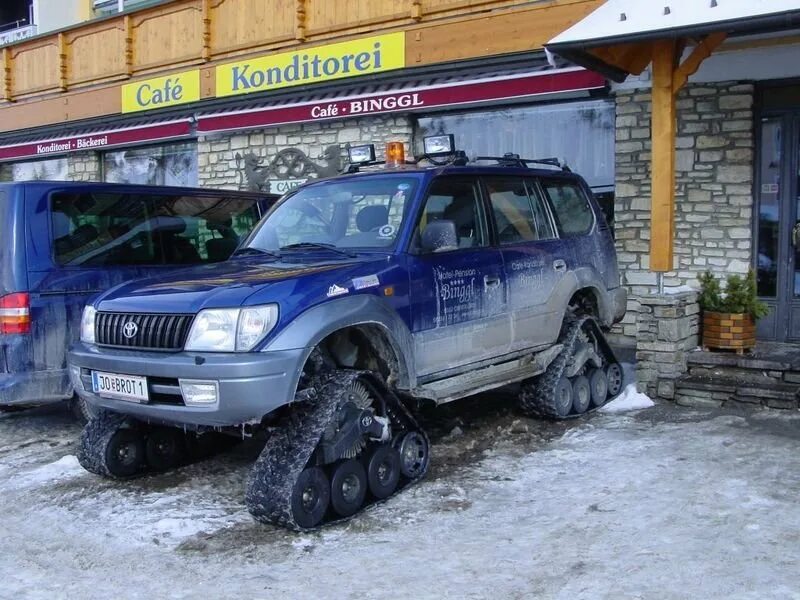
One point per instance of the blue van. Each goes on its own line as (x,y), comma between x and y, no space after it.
(61,243)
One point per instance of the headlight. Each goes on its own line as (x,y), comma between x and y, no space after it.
(254,324)
(87,324)
(231,329)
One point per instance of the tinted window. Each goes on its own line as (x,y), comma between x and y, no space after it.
(572,211)
(456,200)
(104,229)
(519,217)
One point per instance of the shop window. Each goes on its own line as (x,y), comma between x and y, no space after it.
(52,169)
(106,229)
(573,214)
(171,164)
(580,133)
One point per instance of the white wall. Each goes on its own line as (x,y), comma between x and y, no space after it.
(56,14)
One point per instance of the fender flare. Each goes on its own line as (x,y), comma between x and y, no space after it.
(309,328)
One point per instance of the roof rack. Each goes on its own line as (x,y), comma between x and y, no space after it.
(509,159)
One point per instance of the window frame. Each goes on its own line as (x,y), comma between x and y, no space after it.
(579,185)
(485,217)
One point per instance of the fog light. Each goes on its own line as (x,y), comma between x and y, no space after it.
(361,154)
(199,393)
(437,145)
(75,378)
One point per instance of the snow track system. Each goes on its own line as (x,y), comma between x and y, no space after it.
(350,445)
(581,379)
(344,444)
(347,441)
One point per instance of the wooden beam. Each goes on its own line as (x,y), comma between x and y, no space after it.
(205,12)
(700,52)
(301,20)
(129,42)
(62,62)
(7,74)
(662,208)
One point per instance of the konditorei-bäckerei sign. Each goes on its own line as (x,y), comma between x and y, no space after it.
(312,65)
(160,92)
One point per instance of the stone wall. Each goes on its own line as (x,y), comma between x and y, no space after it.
(84,166)
(216,155)
(714,179)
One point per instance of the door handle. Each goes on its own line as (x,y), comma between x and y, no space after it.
(559,265)
(489,281)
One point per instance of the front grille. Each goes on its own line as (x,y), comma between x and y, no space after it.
(152,332)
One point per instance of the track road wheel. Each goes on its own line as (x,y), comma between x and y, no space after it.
(124,453)
(383,471)
(614,377)
(563,397)
(414,454)
(581,394)
(311,497)
(348,487)
(599,385)
(165,448)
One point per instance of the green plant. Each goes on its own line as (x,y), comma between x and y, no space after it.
(740,296)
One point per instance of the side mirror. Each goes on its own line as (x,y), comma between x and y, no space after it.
(438,236)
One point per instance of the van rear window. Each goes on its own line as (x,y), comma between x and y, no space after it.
(105,229)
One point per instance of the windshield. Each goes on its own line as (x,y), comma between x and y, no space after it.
(353,213)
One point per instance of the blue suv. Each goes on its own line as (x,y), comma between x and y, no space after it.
(354,299)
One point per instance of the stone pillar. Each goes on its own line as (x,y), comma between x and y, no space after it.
(668,328)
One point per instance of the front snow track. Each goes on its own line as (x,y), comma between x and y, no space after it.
(118,447)
(287,473)
(559,392)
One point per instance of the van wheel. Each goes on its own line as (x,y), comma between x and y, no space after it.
(82,410)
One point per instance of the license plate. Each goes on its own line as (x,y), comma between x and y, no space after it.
(123,387)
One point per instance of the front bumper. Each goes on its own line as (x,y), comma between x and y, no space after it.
(250,384)
(620,300)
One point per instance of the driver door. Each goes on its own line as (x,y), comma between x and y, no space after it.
(458,295)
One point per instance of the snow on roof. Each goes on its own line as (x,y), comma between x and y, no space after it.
(627,18)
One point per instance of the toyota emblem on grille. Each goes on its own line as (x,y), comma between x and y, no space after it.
(130,329)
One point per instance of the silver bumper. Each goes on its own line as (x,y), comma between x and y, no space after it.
(250,385)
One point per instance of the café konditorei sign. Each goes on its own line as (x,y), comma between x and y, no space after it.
(161,92)
(312,65)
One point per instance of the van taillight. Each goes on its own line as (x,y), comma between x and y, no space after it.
(15,313)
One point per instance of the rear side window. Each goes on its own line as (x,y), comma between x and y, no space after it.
(519,217)
(106,229)
(573,214)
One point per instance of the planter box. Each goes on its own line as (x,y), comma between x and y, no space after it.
(729,331)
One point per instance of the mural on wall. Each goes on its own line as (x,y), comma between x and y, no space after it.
(173,164)
(53,169)
(288,168)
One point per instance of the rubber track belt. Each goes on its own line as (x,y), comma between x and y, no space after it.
(538,397)
(293,441)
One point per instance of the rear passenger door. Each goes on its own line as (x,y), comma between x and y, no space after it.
(458,296)
(534,259)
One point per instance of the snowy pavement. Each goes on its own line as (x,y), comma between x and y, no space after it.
(656,503)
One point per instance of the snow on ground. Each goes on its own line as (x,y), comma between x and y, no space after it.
(629,399)
(662,503)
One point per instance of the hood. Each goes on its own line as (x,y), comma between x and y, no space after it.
(220,285)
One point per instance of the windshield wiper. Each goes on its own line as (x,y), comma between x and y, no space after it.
(254,250)
(323,246)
